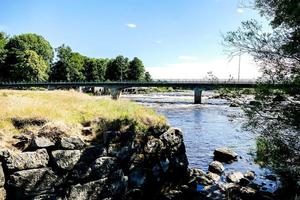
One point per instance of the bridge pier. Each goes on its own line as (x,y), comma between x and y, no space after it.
(197,95)
(115,93)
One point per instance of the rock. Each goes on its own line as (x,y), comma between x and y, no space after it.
(27,160)
(234,177)
(225,155)
(154,146)
(66,159)
(72,143)
(249,175)
(247,192)
(45,197)
(173,195)
(216,167)
(41,142)
(233,105)
(197,176)
(228,186)
(34,180)
(271,177)
(90,190)
(87,131)
(102,166)
(213,176)
(244,181)
(2,193)
(137,177)
(2,176)
(172,138)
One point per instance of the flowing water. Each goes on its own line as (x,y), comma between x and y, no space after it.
(206,127)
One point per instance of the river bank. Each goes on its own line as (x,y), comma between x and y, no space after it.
(132,155)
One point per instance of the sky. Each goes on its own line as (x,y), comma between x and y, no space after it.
(176,39)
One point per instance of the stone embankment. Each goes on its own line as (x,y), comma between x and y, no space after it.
(120,165)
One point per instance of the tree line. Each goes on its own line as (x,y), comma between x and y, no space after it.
(30,57)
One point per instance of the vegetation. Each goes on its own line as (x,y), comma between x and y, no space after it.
(71,108)
(275,115)
(30,57)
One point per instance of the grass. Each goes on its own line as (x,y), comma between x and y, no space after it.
(69,107)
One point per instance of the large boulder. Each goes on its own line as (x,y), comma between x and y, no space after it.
(66,159)
(26,160)
(34,180)
(154,146)
(216,167)
(225,155)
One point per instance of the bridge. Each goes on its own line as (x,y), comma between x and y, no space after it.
(117,87)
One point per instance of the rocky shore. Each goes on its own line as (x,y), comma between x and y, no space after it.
(118,165)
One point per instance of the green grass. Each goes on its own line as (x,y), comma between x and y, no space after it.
(71,108)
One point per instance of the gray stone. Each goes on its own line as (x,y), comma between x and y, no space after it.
(72,142)
(172,138)
(2,176)
(90,190)
(249,175)
(41,142)
(34,180)
(154,146)
(27,160)
(2,193)
(213,176)
(225,155)
(216,167)
(66,159)
(103,166)
(234,177)
(45,197)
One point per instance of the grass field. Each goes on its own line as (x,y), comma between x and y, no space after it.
(68,107)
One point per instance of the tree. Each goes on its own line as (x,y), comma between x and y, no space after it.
(147,77)
(275,114)
(136,70)
(69,66)
(32,42)
(95,69)
(3,41)
(29,67)
(19,49)
(117,69)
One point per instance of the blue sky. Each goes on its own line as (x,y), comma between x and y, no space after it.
(174,38)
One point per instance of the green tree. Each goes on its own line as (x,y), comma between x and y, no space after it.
(29,67)
(69,66)
(95,69)
(32,42)
(136,70)
(275,114)
(117,69)
(19,49)
(3,41)
(147,77)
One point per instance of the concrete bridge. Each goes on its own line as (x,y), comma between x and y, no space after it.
(117,87)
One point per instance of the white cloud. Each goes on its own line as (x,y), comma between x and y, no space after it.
(188,58)
(220,67)
(131,25)
(240,10)
(158,41)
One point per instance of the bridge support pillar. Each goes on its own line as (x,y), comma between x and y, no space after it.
(197,95)
(115,93)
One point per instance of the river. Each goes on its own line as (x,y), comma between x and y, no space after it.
(206,127)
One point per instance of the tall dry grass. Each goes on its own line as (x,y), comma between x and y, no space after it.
(69,107)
